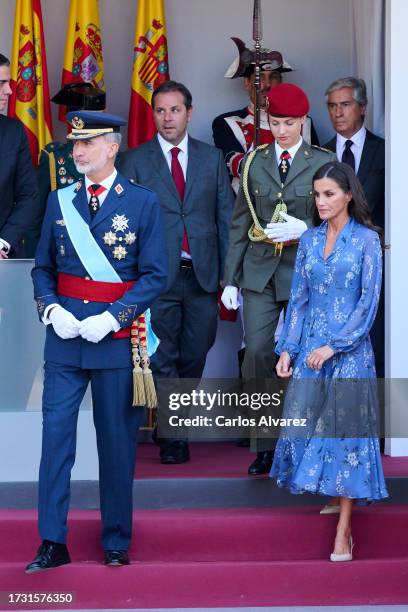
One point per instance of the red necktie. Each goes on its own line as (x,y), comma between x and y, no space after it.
(178,178)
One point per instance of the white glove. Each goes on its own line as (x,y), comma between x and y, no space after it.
(229,297)
(292,229)
(97,327)
(65,325)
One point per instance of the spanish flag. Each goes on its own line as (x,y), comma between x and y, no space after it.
(83,58)
(30,100)
(150,68)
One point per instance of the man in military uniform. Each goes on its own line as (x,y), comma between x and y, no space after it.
(99,265)
(273,208)
(56,168)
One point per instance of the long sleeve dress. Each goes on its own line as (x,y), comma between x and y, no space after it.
(333,302)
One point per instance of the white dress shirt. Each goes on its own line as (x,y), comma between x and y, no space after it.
(166,147)
(357,147)
(107,183)
(292,151)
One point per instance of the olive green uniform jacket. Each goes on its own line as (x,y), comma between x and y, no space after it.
(252,265)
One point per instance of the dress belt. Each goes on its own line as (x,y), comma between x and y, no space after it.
(94,291)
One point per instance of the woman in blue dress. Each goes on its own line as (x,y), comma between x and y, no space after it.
(325,347)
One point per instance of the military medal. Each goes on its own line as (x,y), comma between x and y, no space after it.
(109,238)
(130,237)
(120,223)
(94,203)
(119,252)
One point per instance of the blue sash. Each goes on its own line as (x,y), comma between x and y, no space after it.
(91,255)
(89,252)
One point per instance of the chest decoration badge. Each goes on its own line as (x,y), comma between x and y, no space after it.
(120,223)
(119,252)
(119,233)
(110,238)
(130,237)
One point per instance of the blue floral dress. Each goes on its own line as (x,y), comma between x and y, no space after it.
(333,302)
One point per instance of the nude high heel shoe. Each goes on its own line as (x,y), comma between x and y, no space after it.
(345,556)
(330,509)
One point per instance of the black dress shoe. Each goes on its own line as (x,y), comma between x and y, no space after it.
(175,452)
(262,463)
(116,557)
(49,555)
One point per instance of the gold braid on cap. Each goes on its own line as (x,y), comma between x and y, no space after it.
(256,232)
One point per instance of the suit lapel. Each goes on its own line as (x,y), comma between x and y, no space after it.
(110,203)
(192,166)
(80,202)
(162,168)
(271,165)
(366,157)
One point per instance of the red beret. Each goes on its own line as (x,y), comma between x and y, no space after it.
(287,100)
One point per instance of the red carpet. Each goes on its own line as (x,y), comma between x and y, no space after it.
(222,460)
(219,557)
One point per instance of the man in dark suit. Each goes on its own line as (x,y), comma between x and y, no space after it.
(19,203)
(194,190)
(354,144)
(365,153)
(99,265)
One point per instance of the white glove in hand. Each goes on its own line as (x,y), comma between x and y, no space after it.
(229,297)
(65,325)
(292,229)
(97,327)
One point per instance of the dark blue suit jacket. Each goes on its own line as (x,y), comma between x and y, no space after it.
(19,201)
(205,211)
(145,262)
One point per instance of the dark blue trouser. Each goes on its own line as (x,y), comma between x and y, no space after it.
(116,423)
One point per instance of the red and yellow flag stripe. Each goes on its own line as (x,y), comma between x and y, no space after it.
(83,57)
(30,100)
(150,68)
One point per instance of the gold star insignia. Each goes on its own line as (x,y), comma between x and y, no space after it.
(130,237)
(119,252)
(109,238)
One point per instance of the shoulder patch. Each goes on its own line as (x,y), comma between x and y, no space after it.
(321,149)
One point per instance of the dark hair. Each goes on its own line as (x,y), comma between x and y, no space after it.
(346,179)
(171,86)
(4,61)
